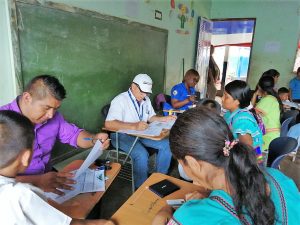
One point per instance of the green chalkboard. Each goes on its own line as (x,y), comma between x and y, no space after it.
(93,55)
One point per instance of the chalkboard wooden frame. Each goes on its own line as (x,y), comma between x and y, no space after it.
(17,24)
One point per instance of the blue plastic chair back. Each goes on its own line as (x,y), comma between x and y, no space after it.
(277,161)
(285,127)
(279,148)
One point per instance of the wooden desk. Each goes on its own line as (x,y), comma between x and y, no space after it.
(143,205)
(81,205)
(165,133)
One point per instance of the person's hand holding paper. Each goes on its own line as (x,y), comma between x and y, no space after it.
(80,186)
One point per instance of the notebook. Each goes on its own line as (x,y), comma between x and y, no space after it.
(163,188)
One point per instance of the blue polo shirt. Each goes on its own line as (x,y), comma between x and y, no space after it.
(180,93)
(295,87)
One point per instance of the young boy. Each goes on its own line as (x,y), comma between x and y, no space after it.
(183,94)
(22,203)
(295,87)
(283,94)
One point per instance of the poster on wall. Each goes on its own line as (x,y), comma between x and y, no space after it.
(202,57)
(185,15)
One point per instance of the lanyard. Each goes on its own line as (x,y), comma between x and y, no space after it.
(137,111)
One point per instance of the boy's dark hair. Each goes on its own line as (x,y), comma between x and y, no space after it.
(43,85)
(298,70)
(283,90)
(192,72)
(211,104)
(201,134)
(239,90)
(271,72)
(16,134)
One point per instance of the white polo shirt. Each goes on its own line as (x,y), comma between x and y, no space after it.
(125,108)
(23,204)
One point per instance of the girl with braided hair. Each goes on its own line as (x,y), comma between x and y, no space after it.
(241,191)
(269,108)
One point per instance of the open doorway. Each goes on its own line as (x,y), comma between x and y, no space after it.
(232,40)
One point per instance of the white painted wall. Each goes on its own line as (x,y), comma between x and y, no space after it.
(7,76)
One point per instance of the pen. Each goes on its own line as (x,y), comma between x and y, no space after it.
(92,139)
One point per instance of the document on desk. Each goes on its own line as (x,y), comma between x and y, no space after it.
(154,129)
(291,104)
(87,180)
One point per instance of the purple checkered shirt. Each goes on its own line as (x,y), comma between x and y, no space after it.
(46,135)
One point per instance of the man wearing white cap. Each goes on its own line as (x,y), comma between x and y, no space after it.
(133,110)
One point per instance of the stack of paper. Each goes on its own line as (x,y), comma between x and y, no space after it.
(87,180)
(154,129)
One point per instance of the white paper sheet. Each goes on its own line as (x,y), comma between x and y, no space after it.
(154,129)
(291,104)
(87,180)
(92,156)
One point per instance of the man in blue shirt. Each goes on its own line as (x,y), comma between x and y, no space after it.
(183,94)
(295,87)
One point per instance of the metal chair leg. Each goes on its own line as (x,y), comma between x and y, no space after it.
(117,146)
(132,146)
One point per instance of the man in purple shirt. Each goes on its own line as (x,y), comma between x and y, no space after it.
(39,103)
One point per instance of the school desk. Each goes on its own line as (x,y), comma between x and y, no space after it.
(165,133)
(143,205)
(81,205)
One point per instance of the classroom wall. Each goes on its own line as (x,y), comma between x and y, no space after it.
(276,33)
(179,45)
(275,38)
(7,78)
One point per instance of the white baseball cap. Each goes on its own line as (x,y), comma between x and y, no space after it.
(144,82)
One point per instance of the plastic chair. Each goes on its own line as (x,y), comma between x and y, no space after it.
(104,111)
(160,99)
(285,127)
(279,148)
(162,102)
(115,155)
(288,114)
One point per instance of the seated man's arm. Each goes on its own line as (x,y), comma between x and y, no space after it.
(178,104)
(74,136)
(162,118)
(178,98)
(115,125)
(116,114)
(83,143)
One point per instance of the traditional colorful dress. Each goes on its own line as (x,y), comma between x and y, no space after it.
(218,208)
(242,122)
(269,110)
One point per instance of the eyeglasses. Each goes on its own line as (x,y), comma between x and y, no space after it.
(145,93)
